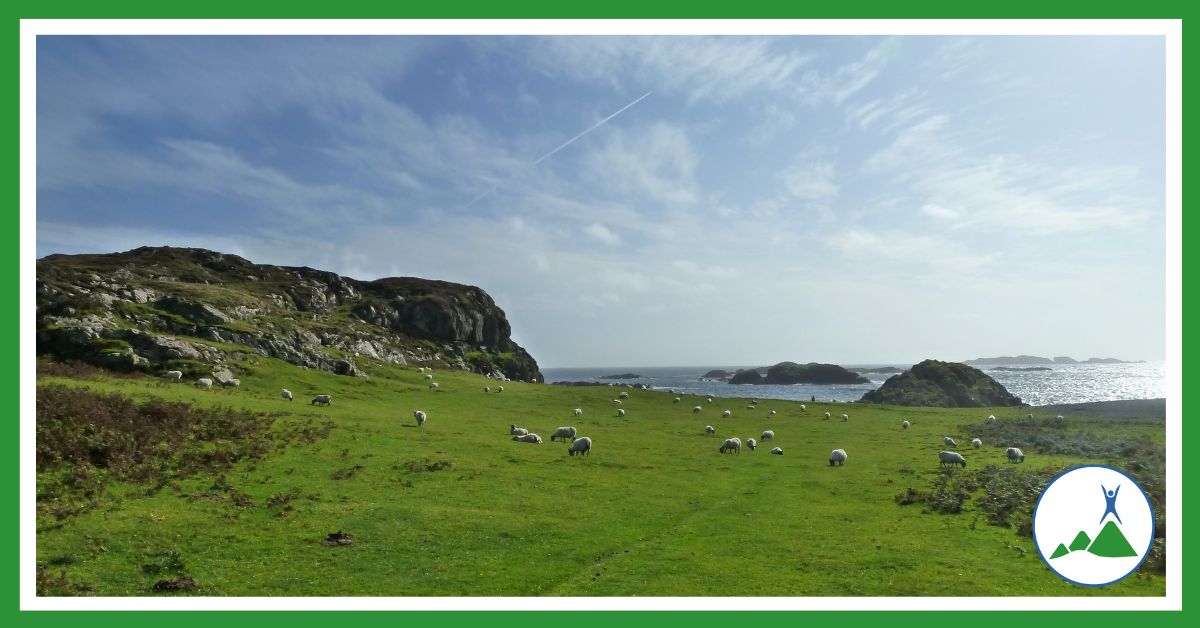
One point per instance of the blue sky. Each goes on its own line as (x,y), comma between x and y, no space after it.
(842,199)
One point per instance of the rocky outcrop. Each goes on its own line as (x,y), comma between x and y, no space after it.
(942,384)
(746,376)
(788,373)
(717,374)
(166,305)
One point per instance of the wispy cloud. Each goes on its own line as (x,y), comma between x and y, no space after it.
(602,234)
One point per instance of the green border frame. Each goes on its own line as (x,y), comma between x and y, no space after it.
(17,10)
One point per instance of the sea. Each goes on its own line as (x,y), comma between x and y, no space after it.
(1059,384)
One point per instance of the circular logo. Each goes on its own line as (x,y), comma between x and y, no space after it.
(1093,525)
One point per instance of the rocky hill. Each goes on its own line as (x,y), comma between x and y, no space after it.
(156,308)
(942,384)
(787,373)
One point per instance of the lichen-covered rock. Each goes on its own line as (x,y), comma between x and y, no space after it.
(942,384)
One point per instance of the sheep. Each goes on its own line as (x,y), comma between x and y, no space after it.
(232,383)
(750,407)
(517,431)
(695,409)
(204,382)
(710,399)
(617,401)
(1029,416)
(563,433)
(578,412)
(727,414)
(845,417)
(286,394)
(754,401)
(175,375)
(620,412)
(777,451)
(991,418)
(826,416)
(708,429)
(582,446)
(803,409)
(951,457)
(732,444)
(751,443)
(837,456)
(976,443)
(528,438)
(905,424)
(950,442)
(1015,455)
(768,435)
(675,400)
(419,415)
(428,377)
(320,399)
(623,395)
(499,389)
(487,389)
(420,369)
(433,385)
(771,412)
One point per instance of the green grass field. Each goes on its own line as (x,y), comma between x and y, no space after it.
(655,510)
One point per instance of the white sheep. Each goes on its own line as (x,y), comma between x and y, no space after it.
(951,457)
(623,395)
(750,407)
(950,442)
(1029,416)
(845,417)
(499,389)
(578,412)
(175,375)
(991,418)
(710,399)
(771,412)
(827,416)
(905,424)
(581,446)
(751,443)
(837,456)
(777,451)
(528,438)
(768,435)
(428,377)
(232,383)
(433,385)
(420,369)
(1015,455)
(620,412)
(976,443)
(803,408)
(732,444)
(517,431)
(708,429)
(727,414)
(617,401)
(563,433)
(695,409)
(675,400)
(419,415)
(487,389)
(754,401)
(286,394)
(320,399)
(1058,418)
(204,382)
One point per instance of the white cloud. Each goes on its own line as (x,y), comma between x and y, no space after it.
(602,234)
(811,182)
(938,211)
(657,162)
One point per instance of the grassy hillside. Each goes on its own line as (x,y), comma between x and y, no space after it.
(457,508)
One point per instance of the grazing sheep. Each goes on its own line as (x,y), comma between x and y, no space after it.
(950,442)
(771,412)
(420,369)
(976,443)
(951,457)
(428,378)
(695,409)
(826,416)
(727,414)
(487,389)
(905,424)
(754,401)
(433,385)
(617,401)
(777,451)
(286,394)
(708,429)
(1015,455)
(623,395)
(528,438)
(620,412)
(768,435)
(578,412)
(232,383)
(991,418)
(845,417)
(320,399)
(803,409)
(751,443)
(499,389)
(675,400)
(1030,416)
(582,446)
(732,444)
(175,375)
(750,407)
(837,456)
(419,415)
(204,382)
(517,431)
(563,433)
(710,399)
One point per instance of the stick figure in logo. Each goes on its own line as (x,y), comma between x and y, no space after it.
(1110,504)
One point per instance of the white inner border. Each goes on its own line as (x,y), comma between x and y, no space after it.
(1170,29)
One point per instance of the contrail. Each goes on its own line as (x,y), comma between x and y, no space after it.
(565,144)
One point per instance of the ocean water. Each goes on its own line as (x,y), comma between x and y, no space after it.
(1063,383)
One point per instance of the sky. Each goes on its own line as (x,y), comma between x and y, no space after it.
(843,199)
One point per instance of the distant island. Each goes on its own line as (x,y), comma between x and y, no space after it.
(1021,368)
(883,370)
(620,376)
(717,374)
(787,373)
(1034,359)
(937,384)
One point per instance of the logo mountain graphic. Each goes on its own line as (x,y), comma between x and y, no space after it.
(1110,543)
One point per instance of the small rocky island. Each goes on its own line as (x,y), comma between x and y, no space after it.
(1008,360)
(717,374)
(944,385)
(620,376)
(787,373)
